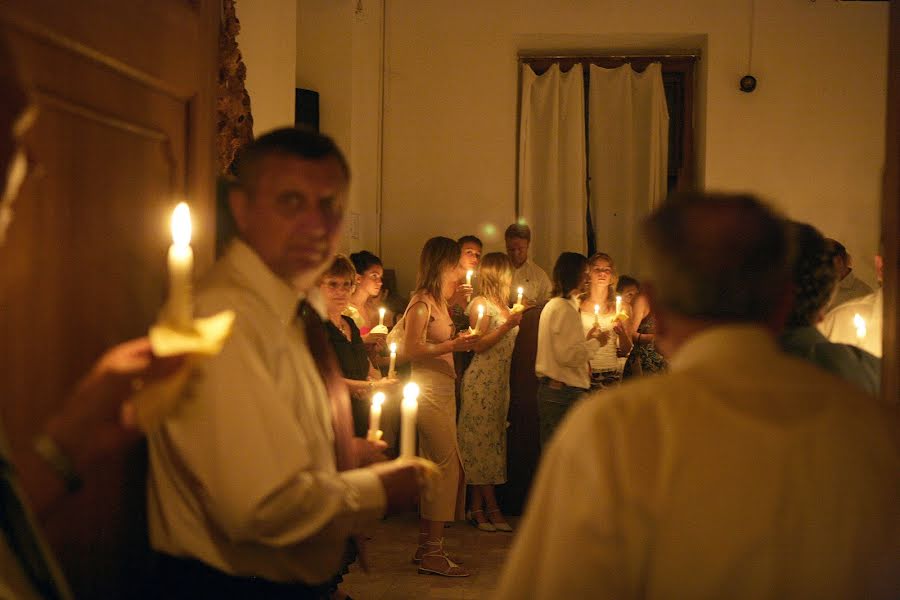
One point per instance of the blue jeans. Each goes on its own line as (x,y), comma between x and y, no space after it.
(552,407)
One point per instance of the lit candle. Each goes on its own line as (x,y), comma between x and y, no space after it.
(480,317)
(618,304)
(381,312)
(860,325)
(519,297)
(596,314)
(408,410)
(393,348)
(375,417)
(469,274)
(180,309)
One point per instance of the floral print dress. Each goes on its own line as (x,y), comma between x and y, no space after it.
(485,401)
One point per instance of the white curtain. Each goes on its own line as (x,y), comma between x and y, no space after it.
(552,189)
(628,137)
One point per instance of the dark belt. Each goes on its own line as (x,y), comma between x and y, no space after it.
(186,578)
(557,385)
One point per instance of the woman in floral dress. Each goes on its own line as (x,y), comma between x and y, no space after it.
(485,394)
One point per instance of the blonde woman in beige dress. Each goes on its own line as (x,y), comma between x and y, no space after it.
(430,344)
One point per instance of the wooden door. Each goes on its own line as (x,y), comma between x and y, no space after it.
(125,92)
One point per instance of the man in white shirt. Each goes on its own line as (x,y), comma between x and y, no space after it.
(848,286)
(742,472)
(531,278)
(245,498)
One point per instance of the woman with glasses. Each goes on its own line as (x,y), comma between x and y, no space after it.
(336,286)
(598,307)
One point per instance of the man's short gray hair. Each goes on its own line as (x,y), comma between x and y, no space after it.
(721,257)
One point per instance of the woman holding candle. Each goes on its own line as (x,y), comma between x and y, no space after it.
(485,393)
(563,348)
(336,286)
(365,302)
(601,306)
(430,344)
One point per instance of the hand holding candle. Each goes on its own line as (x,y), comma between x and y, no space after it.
(860,325)
(477,329)
(374,433)
(391,368)
(179,313)
(408,410)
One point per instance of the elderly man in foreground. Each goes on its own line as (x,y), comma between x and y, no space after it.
(742,473)
(255,486)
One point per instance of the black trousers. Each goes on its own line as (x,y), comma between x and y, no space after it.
(188,579)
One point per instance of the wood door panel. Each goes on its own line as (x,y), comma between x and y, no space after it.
(125,93)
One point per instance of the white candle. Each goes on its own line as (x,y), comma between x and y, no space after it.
(375,416)
(480,317)
(519,298)
(618,304)
(469,274)
(860,325)
(408,410)
(381,312)
(180,309)
(393,349)
(596,314)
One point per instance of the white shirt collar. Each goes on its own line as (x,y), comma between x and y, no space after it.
(276,292)
(732,343)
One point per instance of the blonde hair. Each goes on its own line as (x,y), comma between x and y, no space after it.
(340,267)
(613,278)
(495,274)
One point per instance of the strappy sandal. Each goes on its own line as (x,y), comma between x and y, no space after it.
(482,525)
(439,562)
(498,525)
(422,549)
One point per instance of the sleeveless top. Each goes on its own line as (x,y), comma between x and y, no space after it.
(440,329)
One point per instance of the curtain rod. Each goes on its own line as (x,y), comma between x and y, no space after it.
(532,57)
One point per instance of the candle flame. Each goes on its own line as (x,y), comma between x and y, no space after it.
(410,392)
(596,309)
(381,311)
(181,225)
(378,398)
(520,291)
(860,325)
(392,347)
(480,311)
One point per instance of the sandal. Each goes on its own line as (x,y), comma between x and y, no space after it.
(436,562)
(422,549)
(482,525)
(500,524)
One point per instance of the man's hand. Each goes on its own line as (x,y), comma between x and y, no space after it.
(401,484)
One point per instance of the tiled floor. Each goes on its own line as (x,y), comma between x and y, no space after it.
(394,577)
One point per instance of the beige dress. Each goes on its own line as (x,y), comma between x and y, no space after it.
(436,419)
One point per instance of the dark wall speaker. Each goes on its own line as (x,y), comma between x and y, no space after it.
(306,108)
